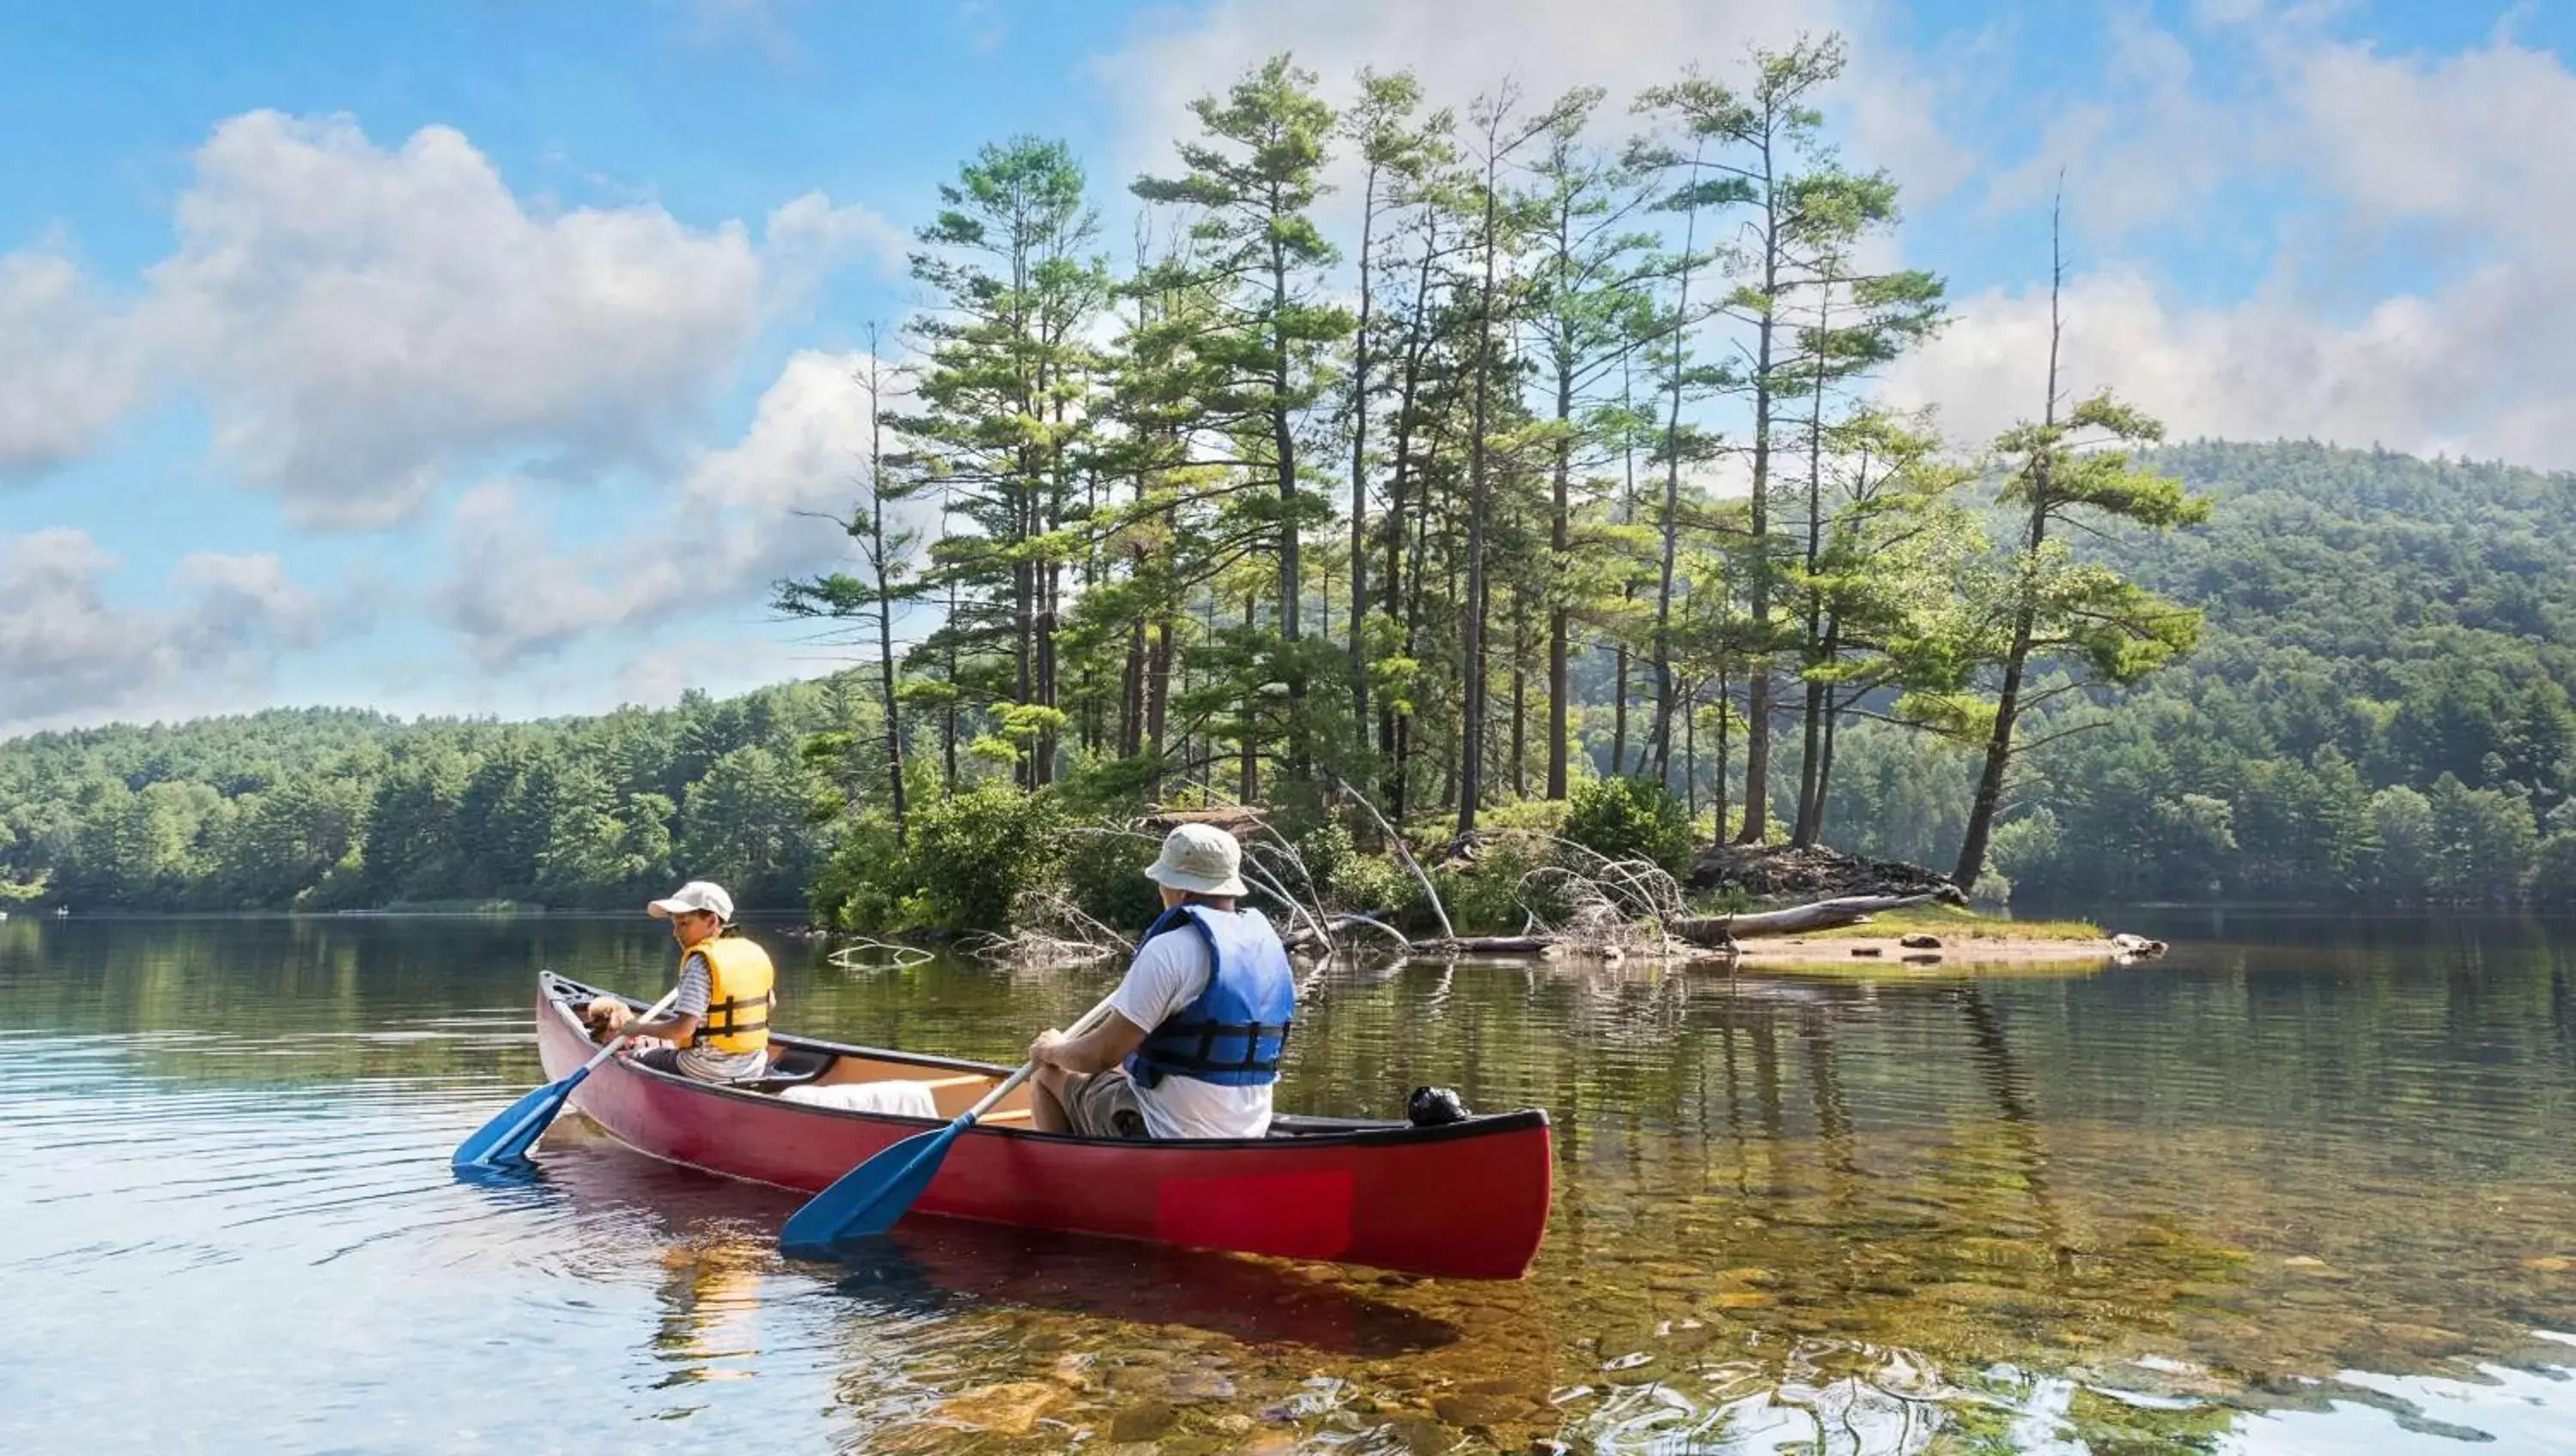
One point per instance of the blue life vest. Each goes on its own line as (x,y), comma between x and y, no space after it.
(1233,1033)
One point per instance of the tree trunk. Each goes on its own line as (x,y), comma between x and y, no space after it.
(1619,710)
(948,714)
(1717,821)
(1757,691)
(1723,930)
(1284,442)
(1520,698)
(1559,694)
(1819,652)
(1360,362)
(1043,760)
(1659,738)
(1825,770)
(1999,747)
(1131,693)
(1024,620)
(885,588)
(1690,751)
(1158,692)
(1802,832)
(1249,790)
(1471,767)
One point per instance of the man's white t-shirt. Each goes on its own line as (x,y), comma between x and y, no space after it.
(1170,973)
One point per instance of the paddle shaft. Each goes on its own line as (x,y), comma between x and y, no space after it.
(869,1198)
(1089,1019)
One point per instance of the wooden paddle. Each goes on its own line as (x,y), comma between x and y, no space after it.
(507,1137)
(868,1199)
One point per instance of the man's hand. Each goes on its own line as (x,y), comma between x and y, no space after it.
(1043,1050)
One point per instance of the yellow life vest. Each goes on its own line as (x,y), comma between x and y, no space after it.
(738,994)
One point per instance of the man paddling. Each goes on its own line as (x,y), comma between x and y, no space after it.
(1190,1047)
(719,1025)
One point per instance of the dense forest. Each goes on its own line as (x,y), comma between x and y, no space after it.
(1448,465)
(2378,707)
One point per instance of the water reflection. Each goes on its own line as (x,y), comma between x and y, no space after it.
(2306,1189)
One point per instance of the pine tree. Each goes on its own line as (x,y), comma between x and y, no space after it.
(1254,175)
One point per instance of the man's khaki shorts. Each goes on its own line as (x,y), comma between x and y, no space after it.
(1103,1105)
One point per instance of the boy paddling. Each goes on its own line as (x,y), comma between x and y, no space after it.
(719,1026)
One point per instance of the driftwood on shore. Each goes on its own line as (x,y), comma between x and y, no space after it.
(1723,931)
(1703,932)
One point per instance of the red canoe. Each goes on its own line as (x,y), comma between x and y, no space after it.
(1468,1200)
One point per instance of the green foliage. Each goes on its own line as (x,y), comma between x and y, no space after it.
(859,887)
(971,856)
(2025,848)
(1633,818)
(2553,871)
(962,868)
(2373,623)
(1486,895)
(331,809)
(1105,875)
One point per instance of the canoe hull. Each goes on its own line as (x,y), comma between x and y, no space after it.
(1466,1201)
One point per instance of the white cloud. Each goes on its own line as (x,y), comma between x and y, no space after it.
(2147,149)
(1464,48)
(365,320)
(2442,170)
(2256,371)
(67,366)
(742,517)
(808,237)
(68,654)
(656,676)
(365,323)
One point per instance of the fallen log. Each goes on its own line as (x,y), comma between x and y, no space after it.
(1723,931)
(1717,933)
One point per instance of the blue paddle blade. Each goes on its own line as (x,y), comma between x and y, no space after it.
(870,1198)
(507,1137)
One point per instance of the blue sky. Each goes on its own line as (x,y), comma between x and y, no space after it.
(476,356)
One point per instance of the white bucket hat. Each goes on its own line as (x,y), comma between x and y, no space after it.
(1200,858)
(704,895)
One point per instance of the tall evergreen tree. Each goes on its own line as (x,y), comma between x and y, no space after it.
(1253,175)
(2063,471)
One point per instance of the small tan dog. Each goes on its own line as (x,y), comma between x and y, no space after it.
(606,1016)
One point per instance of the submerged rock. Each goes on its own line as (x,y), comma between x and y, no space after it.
(1142,1421)
(1010,1409)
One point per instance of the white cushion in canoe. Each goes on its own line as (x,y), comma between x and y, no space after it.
(902,1099)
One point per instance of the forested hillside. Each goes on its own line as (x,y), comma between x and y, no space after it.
(331,808)
(2379,704)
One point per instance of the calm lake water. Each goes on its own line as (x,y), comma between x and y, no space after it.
(2306,1185)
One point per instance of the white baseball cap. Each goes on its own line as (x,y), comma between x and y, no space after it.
(704,895)
(1200,858)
